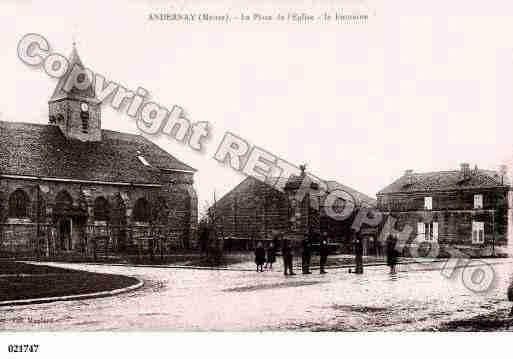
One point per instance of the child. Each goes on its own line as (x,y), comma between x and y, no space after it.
(271,256)
(510,297)
(260,257)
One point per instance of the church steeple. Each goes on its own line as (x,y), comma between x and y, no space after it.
(73,105)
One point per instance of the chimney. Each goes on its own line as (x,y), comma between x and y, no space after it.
(465,170)
(408,174)
(503,171)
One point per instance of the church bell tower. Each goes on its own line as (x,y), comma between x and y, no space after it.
(76,111)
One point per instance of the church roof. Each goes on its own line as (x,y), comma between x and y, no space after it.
(60,93)
(42,151)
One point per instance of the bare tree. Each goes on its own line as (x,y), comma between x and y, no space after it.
(212,233)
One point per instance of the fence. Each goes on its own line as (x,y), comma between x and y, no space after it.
(29,240)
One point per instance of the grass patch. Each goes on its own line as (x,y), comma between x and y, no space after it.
(26,281)
(495,321)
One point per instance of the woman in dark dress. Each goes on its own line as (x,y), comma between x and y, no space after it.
(510,295)
(391,253)
(260,257)
(271,256)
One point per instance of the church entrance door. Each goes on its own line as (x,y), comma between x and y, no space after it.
(65,234)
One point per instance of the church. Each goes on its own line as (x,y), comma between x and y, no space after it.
(71,187)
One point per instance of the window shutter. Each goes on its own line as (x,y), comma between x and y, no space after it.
(428,203)
(435,231)
(474,232)
(420,231)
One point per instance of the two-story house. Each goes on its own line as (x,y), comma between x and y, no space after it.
(467,209)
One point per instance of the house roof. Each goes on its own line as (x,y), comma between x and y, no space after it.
(446,180)
(38,150)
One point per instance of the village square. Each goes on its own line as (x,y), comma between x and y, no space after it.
(102,229)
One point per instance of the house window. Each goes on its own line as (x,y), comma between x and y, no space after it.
(477,232)
(428,203)
(427,231)
(478,201)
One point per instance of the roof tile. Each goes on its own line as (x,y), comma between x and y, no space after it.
(43,151)
(445,180)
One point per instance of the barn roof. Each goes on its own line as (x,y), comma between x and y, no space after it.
(38,150)
(322,189)
(360,197)
(446,180)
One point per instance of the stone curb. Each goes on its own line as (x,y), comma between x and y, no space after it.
(107,293)
(244,269)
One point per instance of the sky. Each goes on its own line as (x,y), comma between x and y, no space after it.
(422,86)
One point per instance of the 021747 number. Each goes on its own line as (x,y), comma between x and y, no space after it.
(23,348)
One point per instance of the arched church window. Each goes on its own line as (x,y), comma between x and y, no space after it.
(118,211)
(18,204)
(101,209)
(141,211)
(63,202)
(160,210)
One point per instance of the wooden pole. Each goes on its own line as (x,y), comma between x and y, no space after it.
(493,238)
(37,222)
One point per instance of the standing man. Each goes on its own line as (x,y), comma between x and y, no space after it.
(286,252)
(306,256)
(379,247)
(392,253)
(358,252)
(323,251)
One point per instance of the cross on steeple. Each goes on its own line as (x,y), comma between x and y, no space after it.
(74,37)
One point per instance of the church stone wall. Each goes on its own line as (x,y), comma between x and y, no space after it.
(72,124)
(18,236)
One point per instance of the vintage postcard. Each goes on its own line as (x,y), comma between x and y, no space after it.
(174,167)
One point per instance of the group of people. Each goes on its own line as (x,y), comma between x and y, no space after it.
(265,257)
